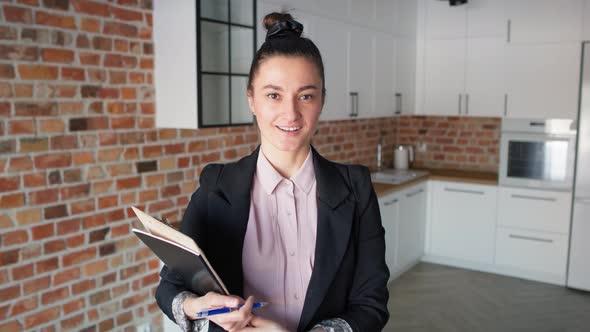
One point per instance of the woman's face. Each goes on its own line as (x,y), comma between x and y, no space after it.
(286,98)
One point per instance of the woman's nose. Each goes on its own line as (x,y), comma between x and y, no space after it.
(291,109)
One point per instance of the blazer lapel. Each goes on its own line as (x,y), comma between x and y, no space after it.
(229,208)
(335,217)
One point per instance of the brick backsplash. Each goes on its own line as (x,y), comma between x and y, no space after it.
(467,143)
(78,146)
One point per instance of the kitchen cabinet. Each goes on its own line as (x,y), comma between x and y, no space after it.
(464,77)
(539,210)
(360,73)
(389,206)
(404,220)
(542,21)
(384,76)
(542,80)
(463,221)
(412,225)
(538,255)
(362,12)
(478,18)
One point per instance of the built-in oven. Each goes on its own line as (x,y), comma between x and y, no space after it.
(537,153)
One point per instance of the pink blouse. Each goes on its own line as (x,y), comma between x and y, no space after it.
(279,246)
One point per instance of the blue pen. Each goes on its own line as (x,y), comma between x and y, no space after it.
(225,310)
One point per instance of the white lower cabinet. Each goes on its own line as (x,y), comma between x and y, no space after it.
(463,221)
(403,215)
(533,254)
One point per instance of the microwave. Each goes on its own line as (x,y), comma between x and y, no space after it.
(538,153)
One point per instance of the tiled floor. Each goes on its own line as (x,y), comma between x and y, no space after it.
(435,298)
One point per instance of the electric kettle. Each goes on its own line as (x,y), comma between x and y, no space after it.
(403,155)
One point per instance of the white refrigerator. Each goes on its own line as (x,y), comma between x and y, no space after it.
(579,257)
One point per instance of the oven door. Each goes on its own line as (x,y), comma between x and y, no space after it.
(537,161)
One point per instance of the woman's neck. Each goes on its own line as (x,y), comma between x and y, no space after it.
(287,163)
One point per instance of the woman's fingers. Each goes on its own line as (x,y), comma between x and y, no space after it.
(237,319)
(211,300)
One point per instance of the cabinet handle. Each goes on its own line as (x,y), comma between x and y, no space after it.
(535,198)
(414,193)
(465,191)
(391,202)
(508,30)
(353,104)
(530,238)
(583,200)
(467,104)
(398,103)
(505,104)
(460,97)
(356,108)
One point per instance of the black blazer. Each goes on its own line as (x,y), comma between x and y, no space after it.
(349,278)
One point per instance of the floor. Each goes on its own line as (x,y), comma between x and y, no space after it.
(438,298)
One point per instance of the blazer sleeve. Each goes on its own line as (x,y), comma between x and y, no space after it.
(367,302)
(191,225)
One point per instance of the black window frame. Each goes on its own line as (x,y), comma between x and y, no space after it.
(229,74)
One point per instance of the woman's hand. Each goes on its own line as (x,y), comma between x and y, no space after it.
(233,321)
(260,324)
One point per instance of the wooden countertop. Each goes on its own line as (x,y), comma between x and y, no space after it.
(442,175)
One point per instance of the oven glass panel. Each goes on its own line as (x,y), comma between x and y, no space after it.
(537,160)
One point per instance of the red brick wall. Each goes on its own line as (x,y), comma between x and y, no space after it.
(78,146)
(468,143)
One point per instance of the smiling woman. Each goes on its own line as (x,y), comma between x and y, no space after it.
(284,225)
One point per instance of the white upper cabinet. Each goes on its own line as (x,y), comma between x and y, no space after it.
(586,21)
(331,38)
(384,73)
(536,21)
(444,71)
(361,11)
(444,21)
(478,18)
(361,50)
(385,12)
(485,86)
(543,80)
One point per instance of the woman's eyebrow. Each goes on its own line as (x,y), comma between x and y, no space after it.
(307,87)
(270,86)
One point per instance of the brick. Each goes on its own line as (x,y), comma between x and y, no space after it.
(148,48)
(84,206)
(90,24)
(72,74)
(8,33)
(128,93)
(91,59)
(5,110)
(136,137)
(96,107)
(12,201)
(78,191)
(7,71)
(120,29)
(70,108)
(38,72)
(5,222)
(136,78)
(14,14)
(33,144)
(110,155)
(73,306)
(108,202)
(94,8)
(102,43)
(9,183)
(146,63)
(14,237)
(72,323)
(127,122)
(95,268)
(64,142)
(36,109)
(23,305)
(121,45)
(56,211)
(34,180)
(14,325)
(54,160)
(68,226)
(18,52)
(5,90)
(55,20)
(129,183)
(47,265)
(54,246)
(10,293)
(57,4)
(27,217)
(23,272)
(44,196)
(9,257)
(83,286)
(107,249)
(19,127)
(57,55)
(43,231)
(41,317)
(82,41)
(147,166)
(78,257)
(83,158)
(54,295)
(117,77)
(89,123)
(19,164)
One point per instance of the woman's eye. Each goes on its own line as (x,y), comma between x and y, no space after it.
(306,97)
(273,95)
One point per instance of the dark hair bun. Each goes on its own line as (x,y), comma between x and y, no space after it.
(281,25)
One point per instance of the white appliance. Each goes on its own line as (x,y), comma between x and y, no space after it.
(538,154)
(579,257)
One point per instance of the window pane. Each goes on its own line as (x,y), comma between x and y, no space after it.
(214,47)
(215,103)
(214,9)
(242,12)
(242,49)
(240,112)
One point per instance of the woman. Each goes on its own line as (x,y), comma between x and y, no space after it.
(285,225)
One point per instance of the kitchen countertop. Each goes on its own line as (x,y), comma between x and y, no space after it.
(489,178)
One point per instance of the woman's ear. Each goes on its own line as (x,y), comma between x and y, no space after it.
(250,96)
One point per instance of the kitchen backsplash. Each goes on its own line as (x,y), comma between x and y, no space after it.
(467,143)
